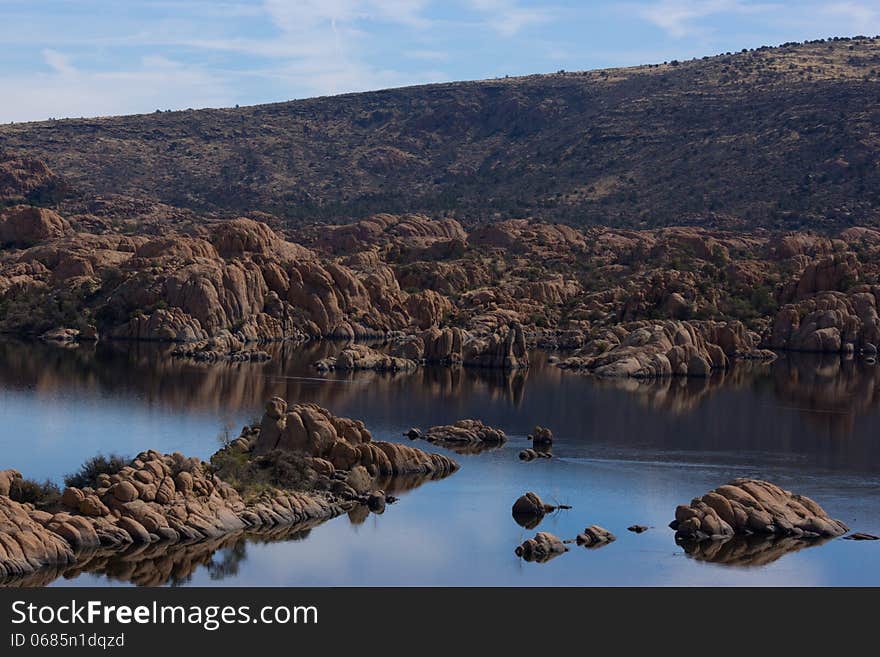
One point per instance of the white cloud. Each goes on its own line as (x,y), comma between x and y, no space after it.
(319,47)
(859,17)
(327,41)
(69,92)
(508,18)
(681,18)
(58,62)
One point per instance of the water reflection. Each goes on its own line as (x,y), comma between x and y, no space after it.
(806,422)
(748,551)
(148,371)
(159,564)
(162,563)
(829,390)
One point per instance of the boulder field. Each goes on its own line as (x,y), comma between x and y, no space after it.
(677,301)
(301,465)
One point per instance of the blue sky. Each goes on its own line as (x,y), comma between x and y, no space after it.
(70,58)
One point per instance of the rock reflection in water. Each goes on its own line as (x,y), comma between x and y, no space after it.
(148,371)
(830,391)
(748,551)
(682,395)
(163,563)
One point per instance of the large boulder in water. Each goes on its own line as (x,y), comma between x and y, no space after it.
(345,443)
(752,506)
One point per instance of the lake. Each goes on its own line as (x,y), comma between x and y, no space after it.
(624,453)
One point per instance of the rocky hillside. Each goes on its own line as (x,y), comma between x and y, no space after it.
(781,137)
(678,300)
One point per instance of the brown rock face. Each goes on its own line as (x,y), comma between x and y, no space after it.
(22,177)
(7,480)
(25,225)
(25,544)
(670,348)
(155,498)
(752,506)
(504,349)
(408,231)
(829,322)
(464,433)
(345,443)
(362,357)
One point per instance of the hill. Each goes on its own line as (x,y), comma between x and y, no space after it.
(782,137)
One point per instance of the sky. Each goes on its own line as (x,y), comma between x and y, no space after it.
(73,58)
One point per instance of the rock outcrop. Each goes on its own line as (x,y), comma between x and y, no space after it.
(671,348)
(503,349)
(541,437)
(24,225)
(345,443)
(157,497)
(752,506)
(542,548)
(830,322)
(363,357)
(594,536)
(468,436)
(311,475)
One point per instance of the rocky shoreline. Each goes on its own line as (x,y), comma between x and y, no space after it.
(677,301)
(301,465)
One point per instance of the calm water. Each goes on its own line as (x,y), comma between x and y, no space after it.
(625,453)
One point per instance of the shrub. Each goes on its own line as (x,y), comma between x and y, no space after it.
(36,493)
(251,476)
(88,473)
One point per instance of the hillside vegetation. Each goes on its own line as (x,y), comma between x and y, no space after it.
(781,137)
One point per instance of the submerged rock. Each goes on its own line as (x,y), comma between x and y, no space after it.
(637,529)
(861,536)
(752,506)
(542,548)
(463,437)
(532,454)
(595,536)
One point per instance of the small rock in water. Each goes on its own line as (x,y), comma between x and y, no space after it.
(637,529)
(861,536)
(541,436)
(529,504)
(532,454)
(595,536)
(541,548)
(376,501)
